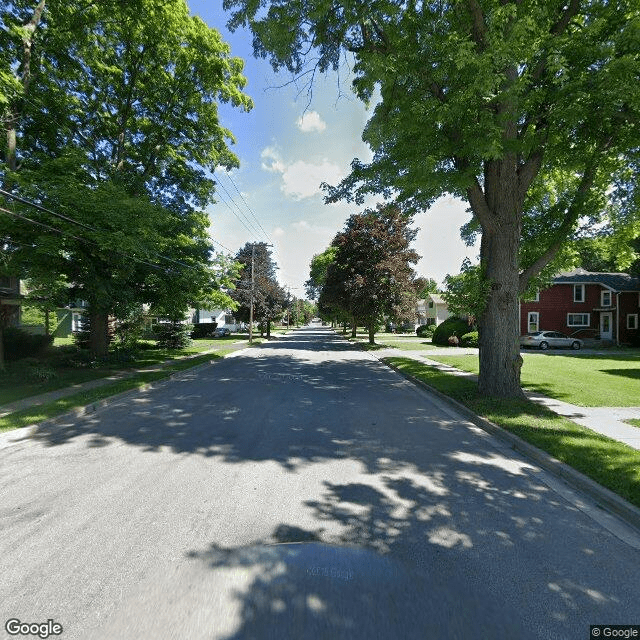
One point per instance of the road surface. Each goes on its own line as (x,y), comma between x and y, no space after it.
(298,490)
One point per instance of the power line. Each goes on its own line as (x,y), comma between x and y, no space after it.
(254,232)
(70,235)
(235,186)
(88,227)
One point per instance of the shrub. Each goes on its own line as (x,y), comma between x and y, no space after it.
(20,344)
(425,330)
(130,329)
(173,335)
(469,339)
(204,329)
(40,373)
(453,341)
(450,327)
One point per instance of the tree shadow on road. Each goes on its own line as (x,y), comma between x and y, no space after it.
(441,533)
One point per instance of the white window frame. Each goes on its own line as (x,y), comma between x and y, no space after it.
(582,294)
(602,295)
(537,321)
(571,324)
(630,317)
(76,321)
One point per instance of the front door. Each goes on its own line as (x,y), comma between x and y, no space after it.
(606,329)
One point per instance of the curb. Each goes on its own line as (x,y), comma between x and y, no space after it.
(605,498)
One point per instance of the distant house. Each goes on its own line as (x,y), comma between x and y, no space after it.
(222,318)
(605,306)
(432,310)
(69,318)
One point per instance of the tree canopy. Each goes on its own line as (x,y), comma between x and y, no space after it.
(371,275)
(527,109)
(110,120)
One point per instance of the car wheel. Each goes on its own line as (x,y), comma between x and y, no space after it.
(575,345)
(544,346)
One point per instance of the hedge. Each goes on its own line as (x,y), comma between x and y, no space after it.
(450,327)
(20,344)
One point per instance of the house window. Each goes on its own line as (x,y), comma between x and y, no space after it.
(632,321)
(578,293)
(605,298)
(533,321)
(229,320)
(76,322)
(430,304)
(533,298)
(578,320)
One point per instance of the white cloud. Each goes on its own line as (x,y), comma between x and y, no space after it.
(278,232)
(311,121)
(271,160)
(300,179)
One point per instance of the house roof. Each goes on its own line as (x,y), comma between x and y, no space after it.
(437,298)
(615,281)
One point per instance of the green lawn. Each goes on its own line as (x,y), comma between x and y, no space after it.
(612,464)
(587,380)
(20,378)
(39,413)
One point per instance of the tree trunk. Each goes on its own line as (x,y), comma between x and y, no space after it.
(47,329)
(99,333)
(498,326)
(268,328)
(2,365)
(354,328)
(372,332)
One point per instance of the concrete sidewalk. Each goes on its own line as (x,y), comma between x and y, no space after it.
(609,421)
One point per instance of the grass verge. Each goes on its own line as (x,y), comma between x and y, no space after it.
(55,408)
(610,463)
(634,422)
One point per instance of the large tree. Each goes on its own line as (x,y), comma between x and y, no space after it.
(120,99)
(371,276)
(528,109)
(258,284)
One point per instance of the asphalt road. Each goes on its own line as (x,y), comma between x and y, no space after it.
(298,490)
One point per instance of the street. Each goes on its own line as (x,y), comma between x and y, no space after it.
(300,489)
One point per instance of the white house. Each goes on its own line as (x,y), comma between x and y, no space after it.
(223,318)
(432,310)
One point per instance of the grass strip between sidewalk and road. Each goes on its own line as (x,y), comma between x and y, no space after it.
(39,413)
(610,463)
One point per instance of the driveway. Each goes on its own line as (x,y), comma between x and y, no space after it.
(298,490)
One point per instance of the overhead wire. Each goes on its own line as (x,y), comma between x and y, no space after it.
(88,227)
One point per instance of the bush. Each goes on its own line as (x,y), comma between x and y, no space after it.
(20,344)
(129,330)
(203,329)
(450,327)
(425,330)
(173,335)
(469,339)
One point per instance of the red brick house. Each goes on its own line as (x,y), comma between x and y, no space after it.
(604,306)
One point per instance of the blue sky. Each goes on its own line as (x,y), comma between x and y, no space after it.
(288,144)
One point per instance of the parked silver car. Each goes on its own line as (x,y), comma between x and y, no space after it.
(545,339)
(221,332)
